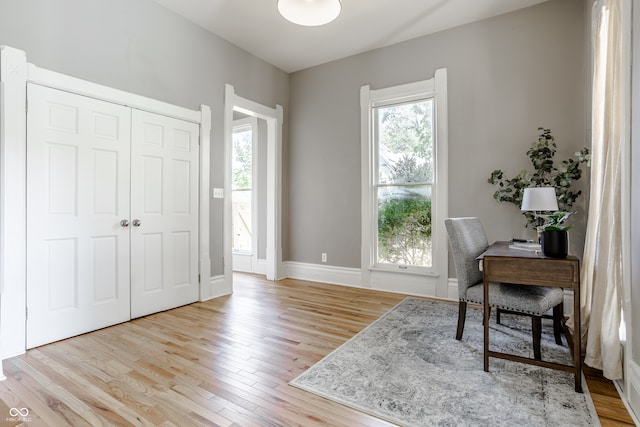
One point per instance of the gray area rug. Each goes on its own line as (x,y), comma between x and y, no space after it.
(407,368)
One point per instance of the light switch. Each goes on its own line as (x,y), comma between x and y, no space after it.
(218,193)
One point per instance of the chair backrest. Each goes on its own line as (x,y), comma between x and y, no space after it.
(468,240)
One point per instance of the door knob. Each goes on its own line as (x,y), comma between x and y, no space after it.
(136,223)
(124,223)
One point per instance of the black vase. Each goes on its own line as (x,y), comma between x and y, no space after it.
(555,244)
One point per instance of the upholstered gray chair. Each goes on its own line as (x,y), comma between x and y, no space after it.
(468,240)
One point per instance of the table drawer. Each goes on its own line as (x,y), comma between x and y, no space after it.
(545,272)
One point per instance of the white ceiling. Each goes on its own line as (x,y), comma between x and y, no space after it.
(256,26)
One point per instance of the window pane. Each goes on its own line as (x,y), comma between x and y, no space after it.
(405,143)
(404,225)
(241,161)
(241,191)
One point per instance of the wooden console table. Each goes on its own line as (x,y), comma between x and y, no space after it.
(506,265)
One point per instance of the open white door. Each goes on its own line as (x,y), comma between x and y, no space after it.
(164,213)
(77,195)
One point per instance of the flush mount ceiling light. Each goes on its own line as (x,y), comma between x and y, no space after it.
(309,13)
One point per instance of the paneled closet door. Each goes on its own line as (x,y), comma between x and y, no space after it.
(78,163)
(164,213)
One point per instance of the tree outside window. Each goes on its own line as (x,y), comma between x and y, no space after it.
(242,189)
(404,181)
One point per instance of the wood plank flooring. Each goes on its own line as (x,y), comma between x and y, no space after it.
(223,362)
(610,408)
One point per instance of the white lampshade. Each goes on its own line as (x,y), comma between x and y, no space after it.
(310,13)
(539,199)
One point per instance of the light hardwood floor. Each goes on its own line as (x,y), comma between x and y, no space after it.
(222,362)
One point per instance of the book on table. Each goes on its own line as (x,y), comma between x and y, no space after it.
(525,246)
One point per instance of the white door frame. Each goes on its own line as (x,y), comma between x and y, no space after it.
(273,117)
(15,72)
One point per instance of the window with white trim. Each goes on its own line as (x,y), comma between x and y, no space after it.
(404,176)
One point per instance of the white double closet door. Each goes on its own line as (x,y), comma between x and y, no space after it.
(112,214)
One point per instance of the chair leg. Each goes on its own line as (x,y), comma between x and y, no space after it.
(558,314)
(536,328)
(462,313)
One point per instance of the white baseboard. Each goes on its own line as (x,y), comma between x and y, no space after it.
(260,267)
(218,286)
(323,273)
(352,277)
(248,264)
(452,288)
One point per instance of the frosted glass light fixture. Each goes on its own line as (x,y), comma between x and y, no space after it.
(310,13)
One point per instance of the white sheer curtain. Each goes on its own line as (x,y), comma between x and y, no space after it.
(601,274)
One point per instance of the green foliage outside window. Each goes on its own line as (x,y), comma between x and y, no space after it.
(408,130)
(242,152)
(407,169)
(405,176)
(404,231)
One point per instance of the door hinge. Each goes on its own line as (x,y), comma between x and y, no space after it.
(198,278)
(26,313)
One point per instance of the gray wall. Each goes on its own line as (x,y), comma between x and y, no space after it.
(507,75)
(140,47)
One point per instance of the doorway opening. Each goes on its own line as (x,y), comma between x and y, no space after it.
(248,194)
(265,184)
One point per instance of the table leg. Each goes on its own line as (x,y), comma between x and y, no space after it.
(486,313)
(577,339)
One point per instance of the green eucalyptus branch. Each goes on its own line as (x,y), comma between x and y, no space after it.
(545,174)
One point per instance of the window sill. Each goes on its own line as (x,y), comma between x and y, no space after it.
(242,252)
(412,271)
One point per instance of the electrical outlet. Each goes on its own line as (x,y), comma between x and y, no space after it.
(324,257)
(218,193)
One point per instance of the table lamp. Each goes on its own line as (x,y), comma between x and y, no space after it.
(538,200)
